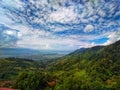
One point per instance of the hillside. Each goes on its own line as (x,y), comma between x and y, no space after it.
(96,68)
(94,54)
(10,67)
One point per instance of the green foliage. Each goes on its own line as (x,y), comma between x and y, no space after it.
(10,67)
(31,81)
(96,68)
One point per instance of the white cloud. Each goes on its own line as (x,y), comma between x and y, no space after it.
(19,34)
(48,43)
(113,37)
(117,14)
(63,15)
(88,28)
(12,3)
(76,16)
(11,32)
(101,13)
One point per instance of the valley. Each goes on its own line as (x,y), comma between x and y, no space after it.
(96,68)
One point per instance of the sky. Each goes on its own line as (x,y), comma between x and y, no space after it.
(59,24)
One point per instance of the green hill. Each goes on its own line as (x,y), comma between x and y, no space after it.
(94,54)
(10,67)
(96,68)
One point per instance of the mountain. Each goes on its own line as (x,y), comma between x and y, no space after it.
(78,51)
(40,55)
(96,68)
(22,51)
(89,54)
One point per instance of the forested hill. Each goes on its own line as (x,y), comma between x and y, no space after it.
(94,54)
(10,67)
(96,68)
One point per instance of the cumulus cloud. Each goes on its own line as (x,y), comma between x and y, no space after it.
(89,28)
(63,15)
(58,24)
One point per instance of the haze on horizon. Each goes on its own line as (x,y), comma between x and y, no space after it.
(59,24)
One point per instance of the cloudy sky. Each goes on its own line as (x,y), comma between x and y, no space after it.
(59,24)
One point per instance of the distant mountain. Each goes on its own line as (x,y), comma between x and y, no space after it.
(21,51)
(31,54)
(78,51)
(17,51)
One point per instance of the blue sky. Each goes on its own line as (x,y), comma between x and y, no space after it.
(59,24)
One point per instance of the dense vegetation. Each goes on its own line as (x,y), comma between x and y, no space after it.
(96,68)
(10,67)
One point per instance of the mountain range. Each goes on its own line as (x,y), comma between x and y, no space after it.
(40,55)
(96,68)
